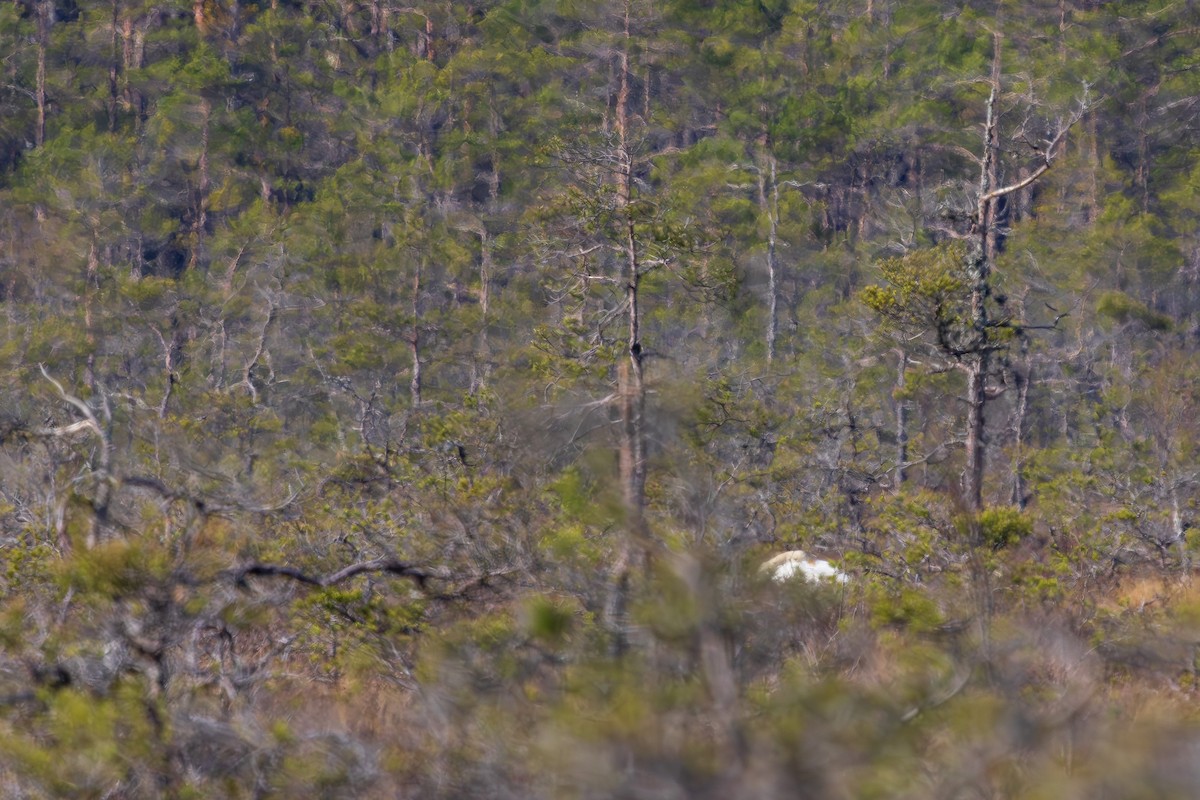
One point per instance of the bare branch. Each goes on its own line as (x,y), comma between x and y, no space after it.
(89,417)
(208,505)
(1047,153)
(1052,326)
(65,430)
(261,348)
(383,565)
(1019,185)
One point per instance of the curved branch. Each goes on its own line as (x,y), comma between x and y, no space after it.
(385,565)
(89,416)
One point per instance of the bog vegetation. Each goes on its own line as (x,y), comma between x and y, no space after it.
(400,400)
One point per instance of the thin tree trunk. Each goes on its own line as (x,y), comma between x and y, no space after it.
(1062,30)
(1019,498)
(979,262)
(414,341)
(631,392)
(1093,184)
(485,272)
(481,363)
(1180,534)
(768,200)
(425,46)
(172,349)
(114,67)
(127,57)
(45,13)
(200,220)
(990,232)
(92,280)
(376,31)
(976,443)
(977,356)
(901,419)
(1142,177)
(133,52)
(482,367)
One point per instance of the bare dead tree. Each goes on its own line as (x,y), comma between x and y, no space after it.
(983,342)
(101,460)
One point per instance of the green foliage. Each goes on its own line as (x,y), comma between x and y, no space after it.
(87,744)
(1121,307)
(1003,527)
(551,620)
(906,608)
(322,496)
(115,569)
(925,290)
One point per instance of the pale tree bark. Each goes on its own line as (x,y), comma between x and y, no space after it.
(1179,532)
(481,366)
(631,390)
(414,339)
(481,360)
(45,18)
(172,349)
(768,201)
(101,460)
(261,355)
(902,411)
(1020,497)
(89,296)
(1093,184)
(978,357)
(975,446)
(979,267)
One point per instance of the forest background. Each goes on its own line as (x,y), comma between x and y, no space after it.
(397,401)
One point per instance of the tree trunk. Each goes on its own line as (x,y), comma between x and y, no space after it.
(902,420)
(976,403)
(414,340)
(976,355)
(768,201)
(978,269)
(92,282)
(114,67)
(631,392)
(200,212)
(1179,531)
(1142,177)
(45,15)
(133,52)
(1019,498)
(481,365)
(1093,184)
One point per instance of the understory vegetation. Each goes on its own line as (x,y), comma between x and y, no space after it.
(400,401)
